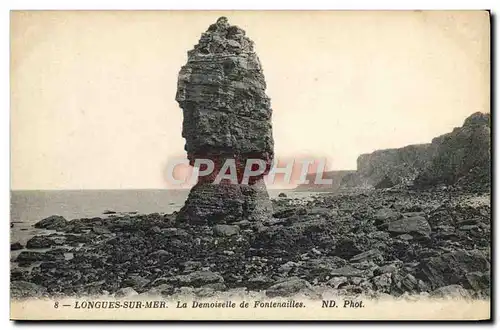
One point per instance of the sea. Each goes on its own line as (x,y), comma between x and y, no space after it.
(29,207)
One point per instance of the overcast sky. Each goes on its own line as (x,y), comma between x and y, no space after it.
(93,93)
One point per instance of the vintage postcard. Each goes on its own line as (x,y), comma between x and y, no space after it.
(250,165)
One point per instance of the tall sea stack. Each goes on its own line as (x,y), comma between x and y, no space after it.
(227,117)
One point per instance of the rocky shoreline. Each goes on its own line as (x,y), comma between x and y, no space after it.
(373,243)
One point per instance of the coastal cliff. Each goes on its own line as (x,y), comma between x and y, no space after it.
(461,157)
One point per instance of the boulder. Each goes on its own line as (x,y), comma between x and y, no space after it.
(461,157)
(259,282)
(479,281)
(18,274)
(369,255)
(346,271)
(289,288)
(409,283)
(30,256)
(385,215)
(385,183)
(23,289)
(54,222)
(383,282)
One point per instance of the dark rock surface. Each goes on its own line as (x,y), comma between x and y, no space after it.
(227,116)
(392,240)
(398,166)
(289,287)
(53,222)
(38,242)
(225,203)
(462,156)
(417,224)
(16,246)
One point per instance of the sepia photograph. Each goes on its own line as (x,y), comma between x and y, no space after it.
(250,165)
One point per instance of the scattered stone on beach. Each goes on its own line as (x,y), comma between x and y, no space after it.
(335,282)
(386,269)
(405,237)
(346,271)
(126,292)
(285,213)
(101,230)
(18,274)
(40,242)
(383,282)
(461,157)
(16,246)
(136,282)
(409,283)
(55,222)
(346,252)
(367,255)
(282,195)
(28,257)
(386,215)
(289,287)
(161,290)
(225,230)
(196,279)
(453,291)
(259,282)
(385,183)
(417,224)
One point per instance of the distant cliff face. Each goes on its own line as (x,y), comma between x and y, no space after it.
(462,156)
(399,166)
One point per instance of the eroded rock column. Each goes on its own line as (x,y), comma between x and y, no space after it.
(227,116)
